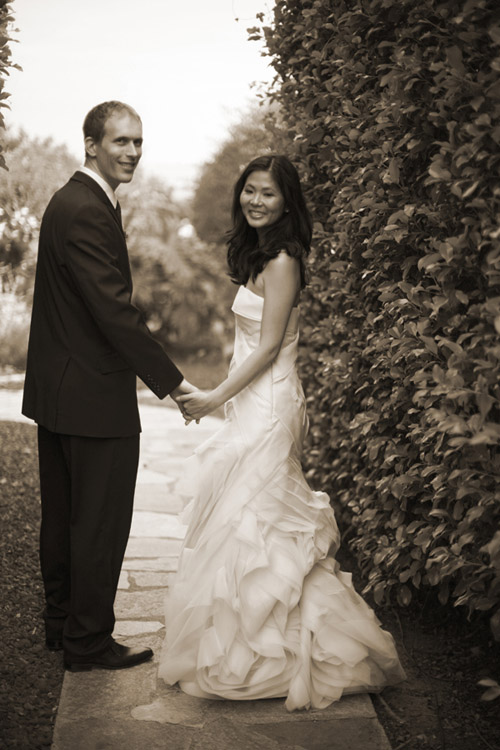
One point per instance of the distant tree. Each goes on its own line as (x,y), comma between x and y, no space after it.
(179,282)
(36,169)
(211,206)
(151,215)
(6,20)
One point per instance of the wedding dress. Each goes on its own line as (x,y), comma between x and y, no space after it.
(259,607)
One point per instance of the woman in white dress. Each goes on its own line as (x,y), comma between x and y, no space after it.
(259,607)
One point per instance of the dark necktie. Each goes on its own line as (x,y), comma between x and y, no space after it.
(119,213)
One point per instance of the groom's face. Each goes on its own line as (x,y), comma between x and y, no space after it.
(117,155)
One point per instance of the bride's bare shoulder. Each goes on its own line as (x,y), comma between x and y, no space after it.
(282,267)
(283,261)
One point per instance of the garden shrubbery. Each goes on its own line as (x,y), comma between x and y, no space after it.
(393,116)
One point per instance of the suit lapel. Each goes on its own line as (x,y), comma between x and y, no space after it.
(99,193)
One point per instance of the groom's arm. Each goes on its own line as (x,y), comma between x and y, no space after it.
(92,260)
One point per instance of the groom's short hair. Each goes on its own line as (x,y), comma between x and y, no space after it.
(95,120)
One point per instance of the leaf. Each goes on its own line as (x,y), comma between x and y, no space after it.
(494,32)
(394,170)
(379,593)
(316,135)
(439,172)
(471,189)
(487,682)
(444,592)
(404,595)
(428,261)
(439,513)
(430,344)
(454,56)
(387,78)
(484,402)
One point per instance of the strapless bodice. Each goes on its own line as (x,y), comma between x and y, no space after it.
(250,305)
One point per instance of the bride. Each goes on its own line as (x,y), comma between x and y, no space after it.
(259,607)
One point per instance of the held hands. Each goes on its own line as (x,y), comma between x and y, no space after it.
(184,388)
(197,404)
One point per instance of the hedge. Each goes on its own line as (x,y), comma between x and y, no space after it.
(393,115)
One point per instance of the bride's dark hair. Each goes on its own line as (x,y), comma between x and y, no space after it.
(292,232)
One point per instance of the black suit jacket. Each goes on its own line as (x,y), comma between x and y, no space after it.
(87,340)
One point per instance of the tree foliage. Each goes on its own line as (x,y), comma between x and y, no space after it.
(6,20)
(36,169)
(179,282)
(393,113)
(211,205)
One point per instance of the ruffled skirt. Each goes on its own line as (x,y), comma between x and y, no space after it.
(259,607)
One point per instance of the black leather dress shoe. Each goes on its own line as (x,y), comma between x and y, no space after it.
(54,644)
(115,656)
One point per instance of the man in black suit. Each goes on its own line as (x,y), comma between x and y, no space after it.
(87,344)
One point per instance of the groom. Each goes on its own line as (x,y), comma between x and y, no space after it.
(87,344)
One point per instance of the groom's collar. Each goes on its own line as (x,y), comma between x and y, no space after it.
(102,184)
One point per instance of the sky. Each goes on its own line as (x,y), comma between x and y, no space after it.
(186,66)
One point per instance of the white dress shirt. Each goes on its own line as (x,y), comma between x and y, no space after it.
(102,183)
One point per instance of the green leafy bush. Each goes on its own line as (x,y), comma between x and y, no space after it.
(393,115)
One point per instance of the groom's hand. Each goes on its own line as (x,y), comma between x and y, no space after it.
(183,389)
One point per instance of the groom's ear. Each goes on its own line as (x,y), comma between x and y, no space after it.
(89,147)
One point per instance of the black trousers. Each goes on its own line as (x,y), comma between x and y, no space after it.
(87,490)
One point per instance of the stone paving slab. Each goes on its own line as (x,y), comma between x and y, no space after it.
(136,627)
(152,580)
(131,709)
(157,498)
(155,563)
(144,579)
(163,525)
(134,605)
(153,548)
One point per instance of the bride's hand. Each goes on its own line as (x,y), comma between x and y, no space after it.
(182,389)
(198,404)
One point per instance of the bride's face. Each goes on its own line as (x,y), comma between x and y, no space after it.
(261,200)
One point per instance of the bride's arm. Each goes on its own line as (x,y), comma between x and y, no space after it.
(281,278)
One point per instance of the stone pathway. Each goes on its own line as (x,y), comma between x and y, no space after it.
(132,710)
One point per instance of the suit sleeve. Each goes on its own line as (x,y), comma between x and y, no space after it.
(92,259)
